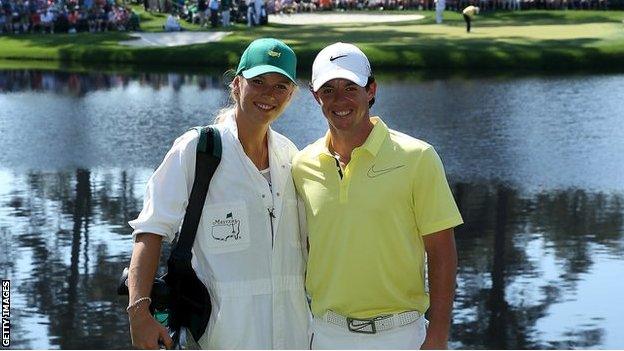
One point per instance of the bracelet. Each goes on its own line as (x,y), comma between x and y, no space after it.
(137,302)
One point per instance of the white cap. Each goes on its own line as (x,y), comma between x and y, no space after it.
(340,60)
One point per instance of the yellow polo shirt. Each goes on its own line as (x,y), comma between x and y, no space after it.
(365,229)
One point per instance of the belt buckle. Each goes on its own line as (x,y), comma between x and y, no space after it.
(364,326)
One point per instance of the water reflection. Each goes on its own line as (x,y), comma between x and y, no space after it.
(68,231)
(79,84)
(541,244)
(507,283)
(60,229)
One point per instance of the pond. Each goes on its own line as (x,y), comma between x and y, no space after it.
(536,165)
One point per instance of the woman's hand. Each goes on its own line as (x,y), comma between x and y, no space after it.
(146,332)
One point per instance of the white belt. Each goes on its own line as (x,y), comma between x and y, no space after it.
(373,325)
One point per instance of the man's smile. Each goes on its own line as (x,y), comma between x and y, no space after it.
(342,113)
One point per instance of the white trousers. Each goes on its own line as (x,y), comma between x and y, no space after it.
(327,336)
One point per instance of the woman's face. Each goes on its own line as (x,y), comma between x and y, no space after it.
(262,98)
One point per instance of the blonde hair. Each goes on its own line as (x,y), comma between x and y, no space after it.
(223,113)
(229,75)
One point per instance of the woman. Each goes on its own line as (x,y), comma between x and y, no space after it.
(256,279)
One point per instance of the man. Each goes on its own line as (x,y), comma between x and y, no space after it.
(225,12)
(202,6)
(376,200)
(72,19)
(440,6)
(251,12)
(469,12)
(172,24)
(214,13)
(258,5)
(2,18)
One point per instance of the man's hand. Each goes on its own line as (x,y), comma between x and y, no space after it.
(435,343)
(146,332)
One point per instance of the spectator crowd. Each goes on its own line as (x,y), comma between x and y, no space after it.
(71,16)
(65,16)
(296,6)
(243,10)
(210,12)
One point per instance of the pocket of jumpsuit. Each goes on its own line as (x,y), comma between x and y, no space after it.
(224,237)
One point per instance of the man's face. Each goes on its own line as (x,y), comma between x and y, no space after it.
(263,98)
(345,104)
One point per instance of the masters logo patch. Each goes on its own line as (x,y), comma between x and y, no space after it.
(274,53)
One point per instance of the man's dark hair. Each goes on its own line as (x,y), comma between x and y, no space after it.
(370,81)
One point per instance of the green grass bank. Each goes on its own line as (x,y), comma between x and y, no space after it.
(526,40)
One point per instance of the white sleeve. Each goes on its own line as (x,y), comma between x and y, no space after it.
(168,190)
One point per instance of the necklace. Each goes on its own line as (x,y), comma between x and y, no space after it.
(339,160)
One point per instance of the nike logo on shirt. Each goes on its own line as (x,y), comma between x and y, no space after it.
(372,172)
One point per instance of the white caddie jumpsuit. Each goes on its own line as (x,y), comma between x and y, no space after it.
(248,250)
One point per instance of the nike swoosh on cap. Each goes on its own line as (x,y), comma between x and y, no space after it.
(337,57)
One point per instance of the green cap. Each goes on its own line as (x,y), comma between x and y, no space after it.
(268,55)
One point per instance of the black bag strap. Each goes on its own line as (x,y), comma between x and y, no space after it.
(206,162)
